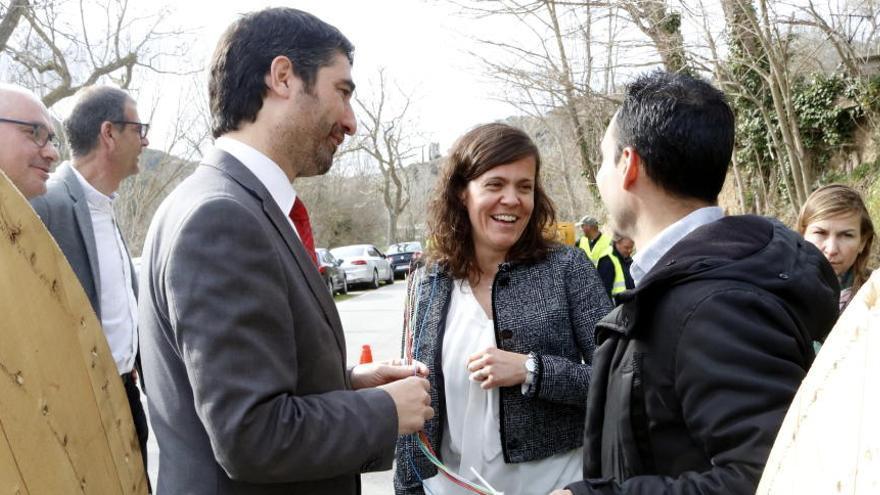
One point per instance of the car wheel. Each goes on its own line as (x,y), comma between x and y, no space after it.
(375,283)
(344,286)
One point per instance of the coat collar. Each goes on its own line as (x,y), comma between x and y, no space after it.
(234,169)
(67,176)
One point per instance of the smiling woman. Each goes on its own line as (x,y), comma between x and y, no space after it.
(503,318)
(835,220)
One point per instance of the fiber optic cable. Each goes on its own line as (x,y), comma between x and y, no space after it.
(410,353)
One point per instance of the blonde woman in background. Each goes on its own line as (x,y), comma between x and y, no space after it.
(835,220)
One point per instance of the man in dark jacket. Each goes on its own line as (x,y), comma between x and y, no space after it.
(694,371)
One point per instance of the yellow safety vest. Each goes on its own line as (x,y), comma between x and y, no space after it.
(619,281)
(600,249)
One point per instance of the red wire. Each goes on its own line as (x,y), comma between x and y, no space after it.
(408,350)
(451,478)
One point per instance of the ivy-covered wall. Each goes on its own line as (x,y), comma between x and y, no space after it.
(829,108)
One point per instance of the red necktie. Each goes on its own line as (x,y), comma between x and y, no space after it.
(300,218)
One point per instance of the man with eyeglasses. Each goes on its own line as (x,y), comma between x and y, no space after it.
(106,138)
(27,141)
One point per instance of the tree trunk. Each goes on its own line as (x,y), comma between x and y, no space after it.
(392,227)
(738,183)
(571,102)
(663,27)
(10,20)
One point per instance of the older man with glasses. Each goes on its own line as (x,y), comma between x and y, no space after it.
(106,139)
(27,140)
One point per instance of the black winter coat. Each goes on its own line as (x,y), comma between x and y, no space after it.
(695,371)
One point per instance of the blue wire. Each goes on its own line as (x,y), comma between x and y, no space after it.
(415,313)
(415,355)
(425,320)
(416,471)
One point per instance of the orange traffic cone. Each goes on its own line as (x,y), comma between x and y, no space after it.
(366,354)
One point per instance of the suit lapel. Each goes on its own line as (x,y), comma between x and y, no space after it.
(83,223)
(131,270)
(239,173)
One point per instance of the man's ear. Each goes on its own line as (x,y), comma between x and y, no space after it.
(107,134)
(632,166)
(280,78)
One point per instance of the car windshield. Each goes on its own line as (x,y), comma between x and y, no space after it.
(404,247)
(348,251)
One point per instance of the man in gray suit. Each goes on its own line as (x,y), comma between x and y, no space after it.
(106,138)
(243,350)
(27,141)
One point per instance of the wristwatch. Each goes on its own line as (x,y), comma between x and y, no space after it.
(531,368)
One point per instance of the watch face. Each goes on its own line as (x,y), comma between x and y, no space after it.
(530,365)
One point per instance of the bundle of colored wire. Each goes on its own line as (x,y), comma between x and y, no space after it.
(412,303)
(455,478)
(409,349)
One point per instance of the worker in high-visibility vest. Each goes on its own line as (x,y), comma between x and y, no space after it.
(593,242)
(621,256)
(598,248)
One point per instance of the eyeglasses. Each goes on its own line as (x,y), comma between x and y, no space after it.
(143,128)
(40,134)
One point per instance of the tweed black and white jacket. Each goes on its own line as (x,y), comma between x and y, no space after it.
(549,308)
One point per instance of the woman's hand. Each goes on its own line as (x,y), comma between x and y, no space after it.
(496,368)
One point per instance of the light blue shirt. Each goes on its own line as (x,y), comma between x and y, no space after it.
(645,259)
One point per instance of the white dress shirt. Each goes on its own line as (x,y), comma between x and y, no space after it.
(472,431)
(267,172)
(117,299)
(645,259)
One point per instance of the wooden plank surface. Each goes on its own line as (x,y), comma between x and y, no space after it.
(829,442)
(65,425)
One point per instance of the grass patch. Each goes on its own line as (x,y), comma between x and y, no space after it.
(344,297)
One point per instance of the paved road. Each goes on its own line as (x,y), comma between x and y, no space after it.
(373,317)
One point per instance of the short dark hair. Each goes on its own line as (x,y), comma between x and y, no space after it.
(94,106)
(478,151)
(245,52)
(683,130)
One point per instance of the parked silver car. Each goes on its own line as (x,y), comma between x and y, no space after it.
(364,264)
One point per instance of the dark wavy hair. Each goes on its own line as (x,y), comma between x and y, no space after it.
(449,229)
(245,52)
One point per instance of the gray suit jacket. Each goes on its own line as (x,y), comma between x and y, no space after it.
(243,350)
(65,212)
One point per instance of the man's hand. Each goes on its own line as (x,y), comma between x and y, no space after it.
(376,374)
(413,403)
(561,492)
(496,368)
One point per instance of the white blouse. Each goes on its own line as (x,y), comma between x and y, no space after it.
(472,429)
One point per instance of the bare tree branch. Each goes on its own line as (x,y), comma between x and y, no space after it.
(57,58)
(10,21)
(386,139)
